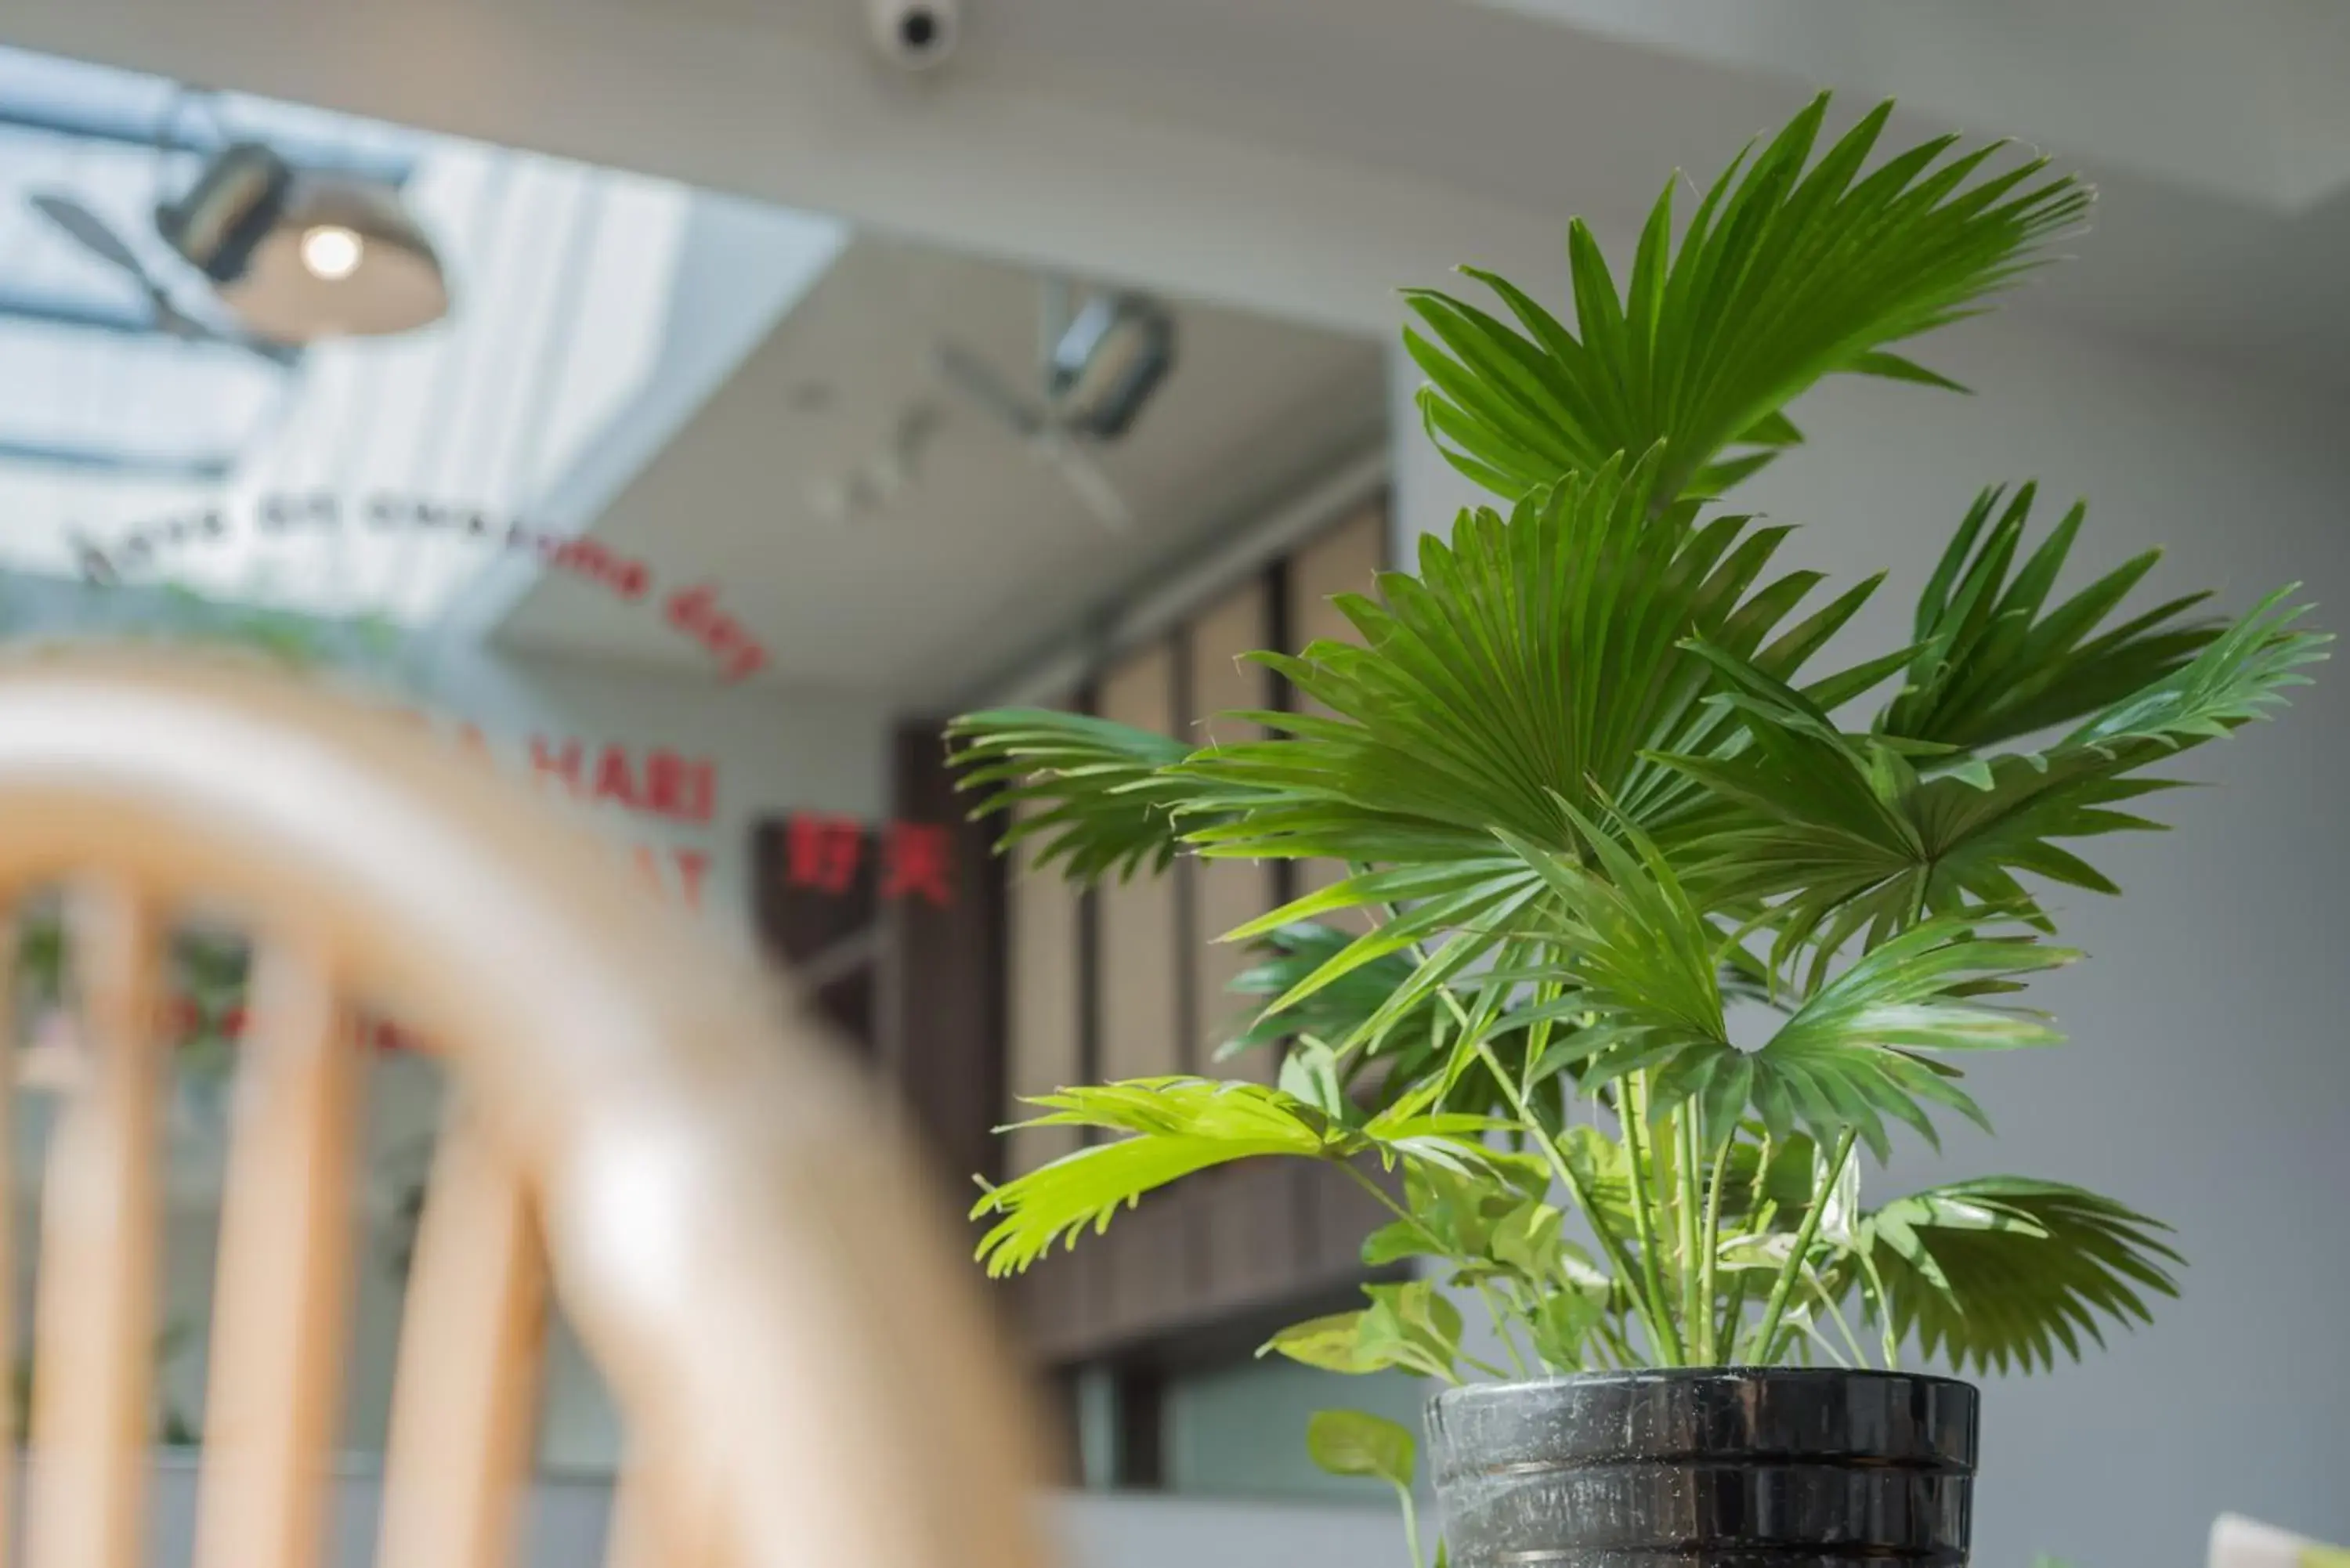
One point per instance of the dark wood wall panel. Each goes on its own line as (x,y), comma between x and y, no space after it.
(1226,893)
(1042,1037)
(1127,982)
(1343,560)
(940,1006)
(1139,984)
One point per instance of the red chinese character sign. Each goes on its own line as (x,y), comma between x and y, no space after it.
(827,853)
(823,852)
(830,892)
(917,862)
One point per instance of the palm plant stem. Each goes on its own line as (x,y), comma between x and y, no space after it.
(1683,1127)
(1565,1170)
(1733,1312)
(1631,1105)
(1835,1315)
(1885,1316)
(1502,1330)
(1776,1306)
(1709,1344)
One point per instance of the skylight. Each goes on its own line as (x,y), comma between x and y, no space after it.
(374,476)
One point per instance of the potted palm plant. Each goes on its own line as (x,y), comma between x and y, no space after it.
(1676,924)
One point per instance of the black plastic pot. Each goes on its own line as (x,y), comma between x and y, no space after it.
(1719,1466)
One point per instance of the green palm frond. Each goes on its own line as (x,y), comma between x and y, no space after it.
(1784,274)
(1089,789)
(1647,963)
(1530,670)
(2001,1273)
(1846,834)
(1289,953)
(1990,666)
(1855,1052)
(1578,771)
(1172,1128)
(1420,1034)
(1532,661)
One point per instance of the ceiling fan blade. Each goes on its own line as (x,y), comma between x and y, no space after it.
(90,232)
(285,356)
(970,374)
(174,322)
(1084,477)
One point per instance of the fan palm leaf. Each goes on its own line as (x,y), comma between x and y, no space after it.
(2001,1273)
(1531,669)
(1791,269)
(1172,1128)
(1089,790)
(1991,666)
(1844,832)
(1644,958)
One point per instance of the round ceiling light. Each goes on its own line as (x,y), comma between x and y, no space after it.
(297,256)
(332,252)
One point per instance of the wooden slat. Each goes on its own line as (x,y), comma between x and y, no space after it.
(1140,979)
(465,1395)
(279,1325)
(1343,560)
(1226,893)
(1043,1028)
(662,1514)
(9,1060)
(1043,1031)
(94,1372)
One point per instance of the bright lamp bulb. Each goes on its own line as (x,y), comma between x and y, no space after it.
(332,252)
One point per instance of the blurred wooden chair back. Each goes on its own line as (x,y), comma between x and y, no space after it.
(788,1336)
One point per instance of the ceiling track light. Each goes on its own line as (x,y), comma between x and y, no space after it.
(298,256)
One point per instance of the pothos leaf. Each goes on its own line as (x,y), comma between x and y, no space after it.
(1357,1443)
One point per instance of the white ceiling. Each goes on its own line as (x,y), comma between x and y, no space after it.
(980,553)
(1300,157)
(1308,155)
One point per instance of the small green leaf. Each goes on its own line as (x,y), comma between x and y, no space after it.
(1357,1443)
(1311,1073)
(1334,1342)
(1526,1240)
(1411,1325)
(1396,1240)
(1560,1325)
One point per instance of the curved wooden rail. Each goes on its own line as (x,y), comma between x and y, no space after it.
(731,1224)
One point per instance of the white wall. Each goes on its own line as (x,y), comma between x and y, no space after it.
(774,751)
(2208,1081)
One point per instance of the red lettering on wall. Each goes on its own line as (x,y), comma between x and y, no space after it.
(692,866)
(917,860)
(695,612)
(822,851)
(678,788)
(689,609)
(560,766)
(614,782)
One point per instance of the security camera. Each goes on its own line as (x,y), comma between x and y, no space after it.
(914,35)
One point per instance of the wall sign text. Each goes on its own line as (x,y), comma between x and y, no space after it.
(691,610)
